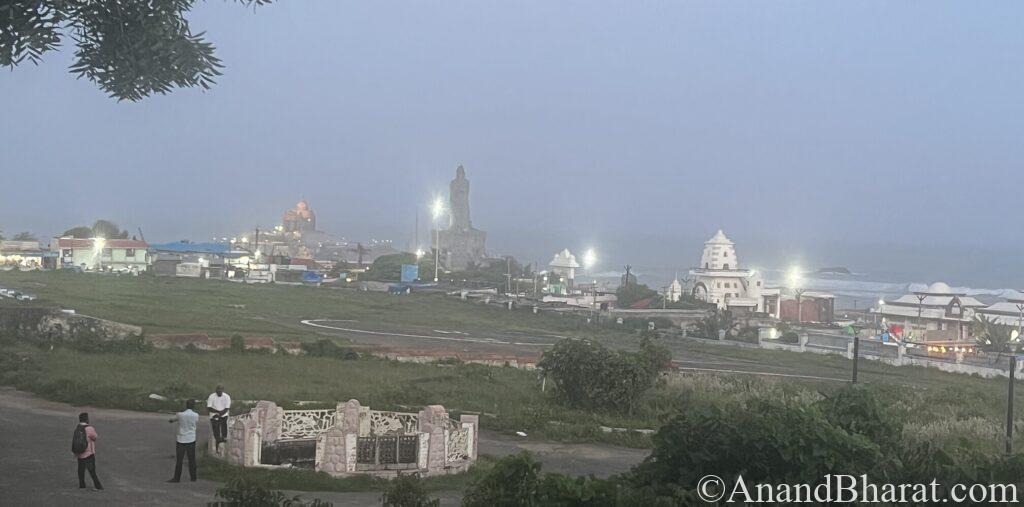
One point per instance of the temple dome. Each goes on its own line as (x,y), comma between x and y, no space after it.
(719,239)
(939,288)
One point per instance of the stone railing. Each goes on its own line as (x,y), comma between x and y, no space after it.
(352,439)
(306,424)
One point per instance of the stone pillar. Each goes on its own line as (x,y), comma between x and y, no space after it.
(433,420)
(243,444)
(270,419)
(959,357)
(332,453)
(350,411)
(849,350)
(474,436)
(802,339)
(901,350)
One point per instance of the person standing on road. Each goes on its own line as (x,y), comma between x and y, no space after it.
(217,405)
(83,445)
(186,440)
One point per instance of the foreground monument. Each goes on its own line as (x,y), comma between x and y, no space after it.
(460,244)
(351,439)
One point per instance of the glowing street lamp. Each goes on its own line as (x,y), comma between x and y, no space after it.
(436,210)
(589,258)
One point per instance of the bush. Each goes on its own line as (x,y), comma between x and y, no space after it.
(590,375)
(407,491)
(242,492)
(516,480)
(328,348)
(765,441)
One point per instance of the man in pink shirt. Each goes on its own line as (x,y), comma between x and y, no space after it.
(87,458)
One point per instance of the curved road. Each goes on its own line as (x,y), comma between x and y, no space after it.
(135,456)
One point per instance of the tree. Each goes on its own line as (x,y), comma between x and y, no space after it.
(24,236)
(717,320)
(81,232)
(628,294)
(388,268)
(407,491)
(108,230)
(589,375)
(130,50)
(990,334)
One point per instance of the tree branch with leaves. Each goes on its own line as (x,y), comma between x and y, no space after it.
(129,49)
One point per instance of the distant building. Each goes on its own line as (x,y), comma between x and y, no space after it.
(300,219)
(101,254)
(720,280)
(936,314)
(562,272)
(460,243)
(674,291)
(24,254)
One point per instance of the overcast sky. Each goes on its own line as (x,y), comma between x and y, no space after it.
(827,133)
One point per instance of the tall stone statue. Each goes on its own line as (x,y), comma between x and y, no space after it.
(458,201)
(460,244)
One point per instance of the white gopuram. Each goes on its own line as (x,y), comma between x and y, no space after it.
(720,280)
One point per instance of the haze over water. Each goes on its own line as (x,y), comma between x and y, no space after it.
(880,137)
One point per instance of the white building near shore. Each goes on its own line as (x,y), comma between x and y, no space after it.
(720,280)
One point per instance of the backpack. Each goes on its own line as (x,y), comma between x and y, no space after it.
(79,440)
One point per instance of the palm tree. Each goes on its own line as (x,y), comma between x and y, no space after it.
(990,334)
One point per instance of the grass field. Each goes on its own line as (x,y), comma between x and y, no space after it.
(182,305)
(936,403)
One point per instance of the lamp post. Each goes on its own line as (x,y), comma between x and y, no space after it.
(881,303)
(436,210)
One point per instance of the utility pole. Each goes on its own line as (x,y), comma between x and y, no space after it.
(856,351)
(508,274)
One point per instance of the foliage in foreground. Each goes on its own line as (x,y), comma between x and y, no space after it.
(785,440)
(242,492)
(407,491)
(163,52)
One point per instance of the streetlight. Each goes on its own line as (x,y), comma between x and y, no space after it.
(589,258)
(881,303)
(436,210)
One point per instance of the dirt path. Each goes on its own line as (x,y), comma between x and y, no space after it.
(135,456)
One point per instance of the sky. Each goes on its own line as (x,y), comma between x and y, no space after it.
(881,136)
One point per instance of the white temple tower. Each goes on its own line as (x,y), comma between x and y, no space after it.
(720,280)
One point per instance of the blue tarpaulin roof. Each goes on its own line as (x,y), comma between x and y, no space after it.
(186,247)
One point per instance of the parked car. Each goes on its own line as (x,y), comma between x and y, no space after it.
(25,297)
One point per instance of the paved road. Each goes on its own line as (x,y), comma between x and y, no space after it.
(135,456)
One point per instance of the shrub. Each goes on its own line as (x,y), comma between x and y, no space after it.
(407,491)
(237,343)
(590,375)
(243,492)
(765,441)
(327,348)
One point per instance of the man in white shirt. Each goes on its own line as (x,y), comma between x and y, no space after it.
(186,439)
(217,405)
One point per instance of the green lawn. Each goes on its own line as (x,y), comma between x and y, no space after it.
(182,305)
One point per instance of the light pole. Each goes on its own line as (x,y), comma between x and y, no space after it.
(436,210)
(881,303)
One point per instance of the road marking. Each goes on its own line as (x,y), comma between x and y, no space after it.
(313,322)
(763,373)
